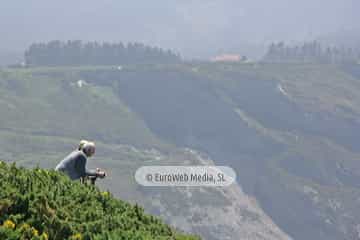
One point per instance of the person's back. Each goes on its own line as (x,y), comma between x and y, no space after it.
(74,165)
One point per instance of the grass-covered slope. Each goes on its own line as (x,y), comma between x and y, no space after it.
(42,204)
(290,131)
(46,111)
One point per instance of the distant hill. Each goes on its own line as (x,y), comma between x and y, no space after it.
(290,131)
(45,111)
(40,204)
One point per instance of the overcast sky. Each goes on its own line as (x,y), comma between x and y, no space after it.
(189,26)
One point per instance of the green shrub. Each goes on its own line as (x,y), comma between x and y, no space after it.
(41,204)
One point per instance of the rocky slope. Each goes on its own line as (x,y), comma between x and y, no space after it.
(46,111)
(285,129)
(290,132)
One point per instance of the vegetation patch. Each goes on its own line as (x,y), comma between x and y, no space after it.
(40,204)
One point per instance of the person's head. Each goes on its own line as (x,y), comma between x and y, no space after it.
(87,147)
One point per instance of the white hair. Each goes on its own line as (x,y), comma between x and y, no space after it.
(88,146)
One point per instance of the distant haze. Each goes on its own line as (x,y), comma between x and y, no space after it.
(195,28)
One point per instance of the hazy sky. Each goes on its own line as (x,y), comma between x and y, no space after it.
(189,26)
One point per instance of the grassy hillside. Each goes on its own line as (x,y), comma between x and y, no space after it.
(42,204)
(62,102)
(46,111)
(290,131)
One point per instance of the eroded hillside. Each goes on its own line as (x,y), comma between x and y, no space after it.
(290,131)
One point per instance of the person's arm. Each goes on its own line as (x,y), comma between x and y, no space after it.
(80,166)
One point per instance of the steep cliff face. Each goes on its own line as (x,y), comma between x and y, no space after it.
(215,213)
(45,112)
(289,131)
